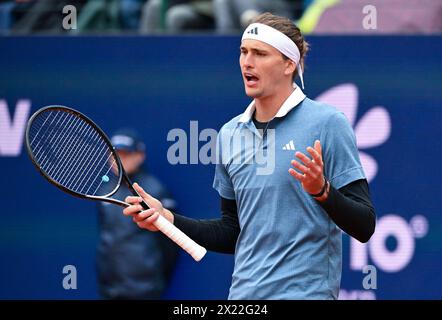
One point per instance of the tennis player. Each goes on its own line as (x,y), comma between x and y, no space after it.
(284,227)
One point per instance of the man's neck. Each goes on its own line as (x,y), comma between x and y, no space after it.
(266,108)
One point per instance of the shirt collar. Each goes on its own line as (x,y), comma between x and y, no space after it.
(292,101)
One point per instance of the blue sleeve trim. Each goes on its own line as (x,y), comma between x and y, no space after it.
(347,177)
(224,191)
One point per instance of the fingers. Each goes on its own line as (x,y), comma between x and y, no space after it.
(132,210)
(311,171)
(296,175)
(151,201)
(147,223)
(143,215)
(318,147)
(317,164)
(306,160)
(310,168)
(315,155)
(141,191)
(133,200)
(299,166)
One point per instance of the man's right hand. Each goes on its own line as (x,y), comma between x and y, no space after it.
(145,219)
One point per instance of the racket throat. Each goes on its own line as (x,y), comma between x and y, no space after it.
(110,200)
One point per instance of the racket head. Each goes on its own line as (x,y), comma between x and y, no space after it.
(73,153)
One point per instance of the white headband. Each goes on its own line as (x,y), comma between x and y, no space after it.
(278,40)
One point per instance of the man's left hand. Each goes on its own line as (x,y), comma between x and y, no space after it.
(312,170)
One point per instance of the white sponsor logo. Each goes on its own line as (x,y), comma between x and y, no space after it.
(12,127)
(372,130)
(289,146)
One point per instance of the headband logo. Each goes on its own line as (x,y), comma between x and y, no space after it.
(253,31)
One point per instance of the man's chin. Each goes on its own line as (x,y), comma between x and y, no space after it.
(252,93)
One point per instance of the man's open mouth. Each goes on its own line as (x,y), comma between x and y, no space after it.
(250,78)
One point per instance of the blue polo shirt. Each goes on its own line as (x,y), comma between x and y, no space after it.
(288,247)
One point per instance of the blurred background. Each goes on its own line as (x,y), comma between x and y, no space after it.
(157,65)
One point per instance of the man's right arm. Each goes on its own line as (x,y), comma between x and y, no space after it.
(218,235)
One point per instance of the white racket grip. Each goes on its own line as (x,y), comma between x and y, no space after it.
(180,238)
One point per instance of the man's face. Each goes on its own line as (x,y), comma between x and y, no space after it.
(131,160)
(263,68)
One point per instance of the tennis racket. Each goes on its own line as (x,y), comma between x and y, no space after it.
(75,155)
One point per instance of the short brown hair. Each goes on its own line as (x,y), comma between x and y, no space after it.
(287,27)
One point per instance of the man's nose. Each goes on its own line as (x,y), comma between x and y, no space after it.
(248,60)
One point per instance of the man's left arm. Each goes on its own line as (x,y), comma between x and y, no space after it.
(349,207)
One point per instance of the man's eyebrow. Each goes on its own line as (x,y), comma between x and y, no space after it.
(253,49)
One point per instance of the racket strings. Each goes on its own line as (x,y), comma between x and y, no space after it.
(63,140)
(68,149)
(71,152)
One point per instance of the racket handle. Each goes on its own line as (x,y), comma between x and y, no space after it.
(180,238)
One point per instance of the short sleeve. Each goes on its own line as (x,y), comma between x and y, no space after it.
(340,153)
(222,182)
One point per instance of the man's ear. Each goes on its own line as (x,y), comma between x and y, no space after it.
(290,67)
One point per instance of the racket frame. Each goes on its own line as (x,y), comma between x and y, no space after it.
(121,172)
(194,249)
